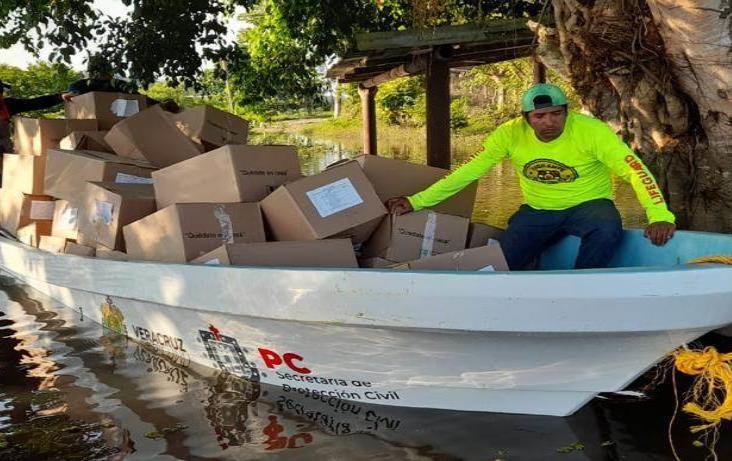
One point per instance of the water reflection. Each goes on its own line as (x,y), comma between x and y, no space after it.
(70,389)
(498,192)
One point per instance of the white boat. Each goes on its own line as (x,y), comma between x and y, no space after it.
(540,342)
(136,391)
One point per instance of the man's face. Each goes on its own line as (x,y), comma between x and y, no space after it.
(548,123)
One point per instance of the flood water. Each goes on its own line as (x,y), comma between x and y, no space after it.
(71,390)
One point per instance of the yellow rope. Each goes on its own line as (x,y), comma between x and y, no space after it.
(718,259)
(710,397)
(711,394)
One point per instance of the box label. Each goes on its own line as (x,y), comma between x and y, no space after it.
(488,268)
(428,242)
(227,228)
(213,262)
(103,213)
(124,107)
(334,197)
(67,220)
(42,209)
(124,178)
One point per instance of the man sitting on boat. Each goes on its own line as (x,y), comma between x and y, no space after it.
(564,160)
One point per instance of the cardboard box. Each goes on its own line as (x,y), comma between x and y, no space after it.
(376,263)
(314,253)
(479,234)
(228,174)
(24,173)
(72,248)
(65,219)
(337,203)
(86,140)
(34,136)
(407,237)
(396,178)
(32,233)
(210,127)
(485,258)
(151,135)
(52,244)
(85,239)
(107,207)
(106,107)
(185,231)
(67,171)
(18,209)
(105,253)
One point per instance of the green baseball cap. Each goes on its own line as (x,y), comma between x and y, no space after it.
(542,95)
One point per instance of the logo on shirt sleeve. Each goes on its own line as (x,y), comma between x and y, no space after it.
(548,171)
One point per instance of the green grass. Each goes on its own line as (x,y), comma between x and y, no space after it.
(301,114)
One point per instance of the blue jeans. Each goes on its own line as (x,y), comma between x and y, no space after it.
(596,222)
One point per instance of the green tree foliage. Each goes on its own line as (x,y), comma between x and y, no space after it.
(280,58)
(506,81)
(314,30)
(328,27)
(164,38)
(158,38)
(67,25)
(459,113)
(39,79)
(211,90)
(273,71)
(396,100)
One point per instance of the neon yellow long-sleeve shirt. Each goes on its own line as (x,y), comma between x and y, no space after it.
(562,173)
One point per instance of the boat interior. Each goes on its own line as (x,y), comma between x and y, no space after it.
(637,251)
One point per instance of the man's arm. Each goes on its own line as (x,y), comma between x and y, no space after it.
(494,150)
(455,181)
(16,106)
(622,161)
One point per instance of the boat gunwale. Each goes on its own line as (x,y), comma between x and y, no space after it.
(369,301)
(575,272)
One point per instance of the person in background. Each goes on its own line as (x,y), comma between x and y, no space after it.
(12,106)
(564,161)
(101,78)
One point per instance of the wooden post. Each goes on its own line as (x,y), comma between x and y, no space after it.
(368,117)
(438,111)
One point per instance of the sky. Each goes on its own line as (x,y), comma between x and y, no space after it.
(18,57)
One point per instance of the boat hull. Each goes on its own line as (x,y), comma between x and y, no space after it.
(448,341)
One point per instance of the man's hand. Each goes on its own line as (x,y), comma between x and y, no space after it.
(660,232)
(399,205)
(67,96)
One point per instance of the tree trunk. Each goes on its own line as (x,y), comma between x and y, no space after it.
(660,72)
(500,90)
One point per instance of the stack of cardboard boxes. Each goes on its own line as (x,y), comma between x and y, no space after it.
(26,211)
(123,181)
